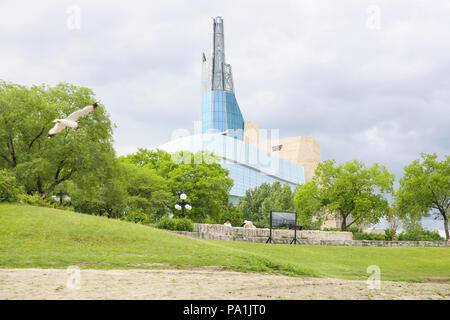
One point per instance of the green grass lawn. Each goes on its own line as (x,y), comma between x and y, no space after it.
(35,237)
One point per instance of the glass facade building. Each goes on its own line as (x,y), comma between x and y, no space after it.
(223,129)
(248,166)
(220,110)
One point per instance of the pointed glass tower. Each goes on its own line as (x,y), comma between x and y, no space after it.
(220,110)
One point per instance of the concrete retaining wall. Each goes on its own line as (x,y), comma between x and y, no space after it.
(221,230)
(366,243)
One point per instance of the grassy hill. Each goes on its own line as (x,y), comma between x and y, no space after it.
(35,237)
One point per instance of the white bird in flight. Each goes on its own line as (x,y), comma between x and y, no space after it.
(70,121)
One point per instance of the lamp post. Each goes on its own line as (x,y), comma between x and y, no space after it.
(183,204)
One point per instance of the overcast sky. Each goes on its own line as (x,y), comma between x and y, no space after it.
(369,79)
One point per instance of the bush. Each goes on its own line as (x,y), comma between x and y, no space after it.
(32,200)
(417,233)
(420,234)
(184,224)
(136,216)
(232,213)
(390,234)
(9,190)
(177,224)
(369,236)
(36,200)
(313,225)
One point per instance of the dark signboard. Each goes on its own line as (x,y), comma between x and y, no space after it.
(283,219)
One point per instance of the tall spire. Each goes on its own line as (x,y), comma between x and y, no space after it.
(220,110)
(216,74)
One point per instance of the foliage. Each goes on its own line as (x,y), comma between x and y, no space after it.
(136,216)
(393,217)
(369,236)
(258,202)
(178,224)
(425,187)
(413,231)
(37,200)
(352,191)
(232,213)
(308,206)
(199,176)
(420,235)
(390,234)
(9,189)
(41,164)
(104,194)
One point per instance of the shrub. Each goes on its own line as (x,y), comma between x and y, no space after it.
(136,216)
(166,223)
(9,190)
(420,234)
(36,200)
(178,224)
(184,224)
(314,225)
(390,234)
(33,200)
(369,236)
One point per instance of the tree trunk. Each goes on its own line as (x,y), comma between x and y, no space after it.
(58,181)
(344,223)
(39,186)
(447,237)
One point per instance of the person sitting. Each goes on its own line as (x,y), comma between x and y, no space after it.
(248,225)
(227,224)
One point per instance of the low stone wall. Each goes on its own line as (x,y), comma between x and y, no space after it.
(363,243)
(221,230)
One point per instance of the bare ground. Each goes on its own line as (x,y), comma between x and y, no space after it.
(200,283)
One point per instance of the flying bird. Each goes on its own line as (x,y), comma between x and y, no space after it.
(70,121)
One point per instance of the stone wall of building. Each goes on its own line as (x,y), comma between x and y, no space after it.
(301,150)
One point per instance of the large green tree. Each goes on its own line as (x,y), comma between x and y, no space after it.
(425,188)
(198,175)
(41,164)
(354,192)
(258,202)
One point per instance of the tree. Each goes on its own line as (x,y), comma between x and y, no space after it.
(205,182)
(251,204)
(104,193)
(258,202)
(198,175)
(351,190)
(9,190)
(414,231)
(308,205)
(148,192)
(393,218)
(41,164)
(425,187)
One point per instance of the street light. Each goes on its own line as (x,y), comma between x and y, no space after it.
(183,204)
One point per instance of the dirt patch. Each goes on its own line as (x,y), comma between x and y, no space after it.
(205,283)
